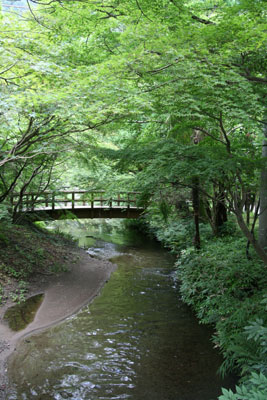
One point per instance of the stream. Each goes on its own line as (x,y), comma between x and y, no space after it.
(136,340)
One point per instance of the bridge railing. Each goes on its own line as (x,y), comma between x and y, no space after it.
(69,199)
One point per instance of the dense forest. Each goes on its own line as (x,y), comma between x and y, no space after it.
(166,98)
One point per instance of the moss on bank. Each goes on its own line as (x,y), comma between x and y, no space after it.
(26,252)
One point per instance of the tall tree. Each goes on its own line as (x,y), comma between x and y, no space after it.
(263,194)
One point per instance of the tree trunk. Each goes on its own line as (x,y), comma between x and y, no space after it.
(263,195)
(220,208)
(195,200)
(217,215)
(259,250)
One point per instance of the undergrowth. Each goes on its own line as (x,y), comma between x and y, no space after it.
(227,290)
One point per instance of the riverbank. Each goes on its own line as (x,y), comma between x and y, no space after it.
(227,290)
(65,292)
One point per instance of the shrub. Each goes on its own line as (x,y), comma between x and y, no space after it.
(254,389)
(227,290)
(233,297)
(177,234)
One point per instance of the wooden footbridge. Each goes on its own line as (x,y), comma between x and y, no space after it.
(67,204)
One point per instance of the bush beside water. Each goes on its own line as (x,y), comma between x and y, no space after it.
(227,290)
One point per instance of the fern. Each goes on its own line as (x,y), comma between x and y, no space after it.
(255,388)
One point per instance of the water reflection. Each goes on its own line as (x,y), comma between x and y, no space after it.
(20,315)
(135,341)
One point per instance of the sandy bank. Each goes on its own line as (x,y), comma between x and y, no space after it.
(64,295)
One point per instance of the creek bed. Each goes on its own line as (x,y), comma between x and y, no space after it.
(137,340)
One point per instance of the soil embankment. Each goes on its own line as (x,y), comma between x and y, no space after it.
(65,293)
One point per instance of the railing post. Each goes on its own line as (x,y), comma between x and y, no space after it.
(32,203)
(46,199)
(110,203)
(119,197)
(128,197)
(92,200)
(73,200)
(101,199)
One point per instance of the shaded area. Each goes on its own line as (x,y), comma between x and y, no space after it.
(70,213)
(20,315)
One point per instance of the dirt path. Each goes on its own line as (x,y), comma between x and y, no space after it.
(64,295)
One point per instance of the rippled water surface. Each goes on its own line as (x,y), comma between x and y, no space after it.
(136,341)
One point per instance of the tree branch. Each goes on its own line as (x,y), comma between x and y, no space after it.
(202,21)
(228,143)
(142,12)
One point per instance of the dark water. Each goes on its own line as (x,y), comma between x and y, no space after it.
(136,341)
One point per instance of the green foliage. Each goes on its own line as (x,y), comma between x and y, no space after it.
(5,215)
(17,274)
(234,300)
(247,353)
(254,389)
(3,239)
(258,332)
(229,228)
(175,233)
(233,297)
(57,268)
(19,295)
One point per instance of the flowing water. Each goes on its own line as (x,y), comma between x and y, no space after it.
(137,340)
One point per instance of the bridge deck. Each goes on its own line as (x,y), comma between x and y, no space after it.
(82,213)
(77,204)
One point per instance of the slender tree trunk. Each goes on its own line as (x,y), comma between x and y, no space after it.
(259,250)
(263,195)
(21,193)
(220,211)
(195,200)
(247,208)
(252,228)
